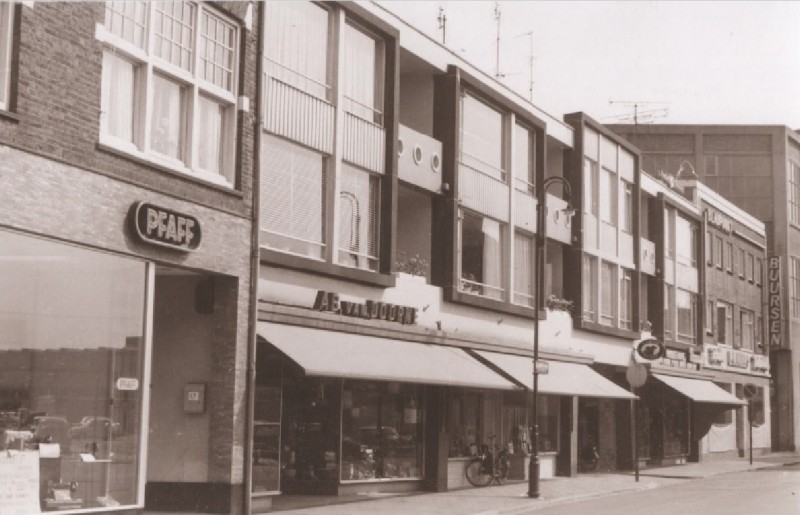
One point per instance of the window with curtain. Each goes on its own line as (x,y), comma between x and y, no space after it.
(6,40)
(184,83)
(524,159)
(362,71)
(685,239)
(482,251)
(358,218)
(589,288)
(607,292)
(724,323)
(686,304)
(297,45)
(625,298)
(293,203)
(626,224)
(669,311)
(747,329)
(524,269)
(482,137)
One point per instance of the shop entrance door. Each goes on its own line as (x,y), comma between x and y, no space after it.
(588,434)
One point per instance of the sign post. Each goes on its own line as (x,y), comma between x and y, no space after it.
(750,391)
(636,376)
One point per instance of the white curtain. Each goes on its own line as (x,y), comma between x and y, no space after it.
(116,117)
(523,269)
(209,130)
(492,258)
(165,129)
(359,71)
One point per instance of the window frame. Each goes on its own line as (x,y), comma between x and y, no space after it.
(379,87)
(747,337)
(794,287)
(147,65)
(7,20)
(724,329)
(793,179)
(471,286)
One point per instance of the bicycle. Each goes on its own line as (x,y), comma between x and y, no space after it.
(487,467)
(588,457)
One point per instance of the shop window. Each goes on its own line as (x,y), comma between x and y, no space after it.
(686,303)
(548,423)
(756,405)
(482,256)
(724,417)
(466,428)
(72,366)
(293,198)
(358,218)
(675,412)
(267,421)
(6,40)
(183,82)
(382,430)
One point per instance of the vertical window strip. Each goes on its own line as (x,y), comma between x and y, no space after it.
(361,70)
(669,312)
(607,293)
(794,192)
(686,304)
(524,269)
(625,299)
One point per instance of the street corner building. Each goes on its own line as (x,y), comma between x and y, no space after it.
(255,250)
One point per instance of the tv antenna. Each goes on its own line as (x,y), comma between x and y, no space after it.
(497,15)
(442,19)
(530,63)
(643,111)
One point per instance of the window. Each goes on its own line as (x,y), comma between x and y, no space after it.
(756,407)
(758,336)
(686,242)
(751,267)
(6,33)
(747,329)
(669,233)
(729,257)
(482,138)
(589,287)
(524,268)
(794,279)
(708,319)
(686,303)
(737,266)
(297,47)
(759,270)
(718,252)
(742,263)
(358,218)
(608,294)
(627,207)
(724,323)
(362,71)
(669,311)
(524,159)
(482,251)
(590,192)
(174,65)
(293,204)
(709,249)
(794,192)
(608,197)
(625,299)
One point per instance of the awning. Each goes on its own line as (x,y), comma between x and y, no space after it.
(561,379)
(356,356)
(699,390)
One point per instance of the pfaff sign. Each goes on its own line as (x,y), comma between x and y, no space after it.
(329,301)
(165,227)
(774,309)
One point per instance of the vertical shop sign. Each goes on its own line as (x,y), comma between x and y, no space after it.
(774,300)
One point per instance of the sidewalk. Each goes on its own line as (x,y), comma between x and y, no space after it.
(512,498)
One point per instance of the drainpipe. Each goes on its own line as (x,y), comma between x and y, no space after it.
(255,263)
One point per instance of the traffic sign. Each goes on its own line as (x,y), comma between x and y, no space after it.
(749,391)
(636,375)
(541,367)
(650,349)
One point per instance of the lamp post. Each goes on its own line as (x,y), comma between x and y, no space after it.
(541,241)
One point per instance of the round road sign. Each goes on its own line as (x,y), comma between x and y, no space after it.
(749,391)
(636,374)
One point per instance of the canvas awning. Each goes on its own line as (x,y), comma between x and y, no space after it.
(562,378)
(699,390)
(357,356)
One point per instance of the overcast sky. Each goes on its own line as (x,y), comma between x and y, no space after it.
(704,62)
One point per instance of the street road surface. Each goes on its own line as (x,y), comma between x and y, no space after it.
(773,491)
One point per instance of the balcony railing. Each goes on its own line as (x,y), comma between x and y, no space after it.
(294,114)
(364,143)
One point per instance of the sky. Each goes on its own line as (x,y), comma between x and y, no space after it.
(709,62)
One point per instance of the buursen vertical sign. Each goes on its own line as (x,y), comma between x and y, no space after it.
(774,308)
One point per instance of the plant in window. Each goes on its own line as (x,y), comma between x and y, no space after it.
(554,303)
(412,265)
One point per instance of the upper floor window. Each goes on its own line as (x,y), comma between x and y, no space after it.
(358,218)
(590,187)
(608,292)
(482,252)
(686,304)
(524,159)
(742,263)
(751,267)
(669,311)
(794,283)
(794,192)
(729,257)
(626,222)
(686,242)
(724,323)
(524,268)
(6,33)
(608,197)
(759,270)
(297,47)
(482,137)
(589,288)
(362,74)
(169,85)
(625,299)
(747,329)
(669,233)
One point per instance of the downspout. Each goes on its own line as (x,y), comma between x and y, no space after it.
(255,263)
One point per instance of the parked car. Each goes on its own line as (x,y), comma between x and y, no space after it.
(51,430)
(95,428)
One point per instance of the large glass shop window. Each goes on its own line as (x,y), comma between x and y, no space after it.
(71,360)
(381,431)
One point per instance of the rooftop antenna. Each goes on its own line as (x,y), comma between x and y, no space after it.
(530,63)
(497,15)
(652,111)
(442,19)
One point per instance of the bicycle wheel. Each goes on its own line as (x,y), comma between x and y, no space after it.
(501,469)
(477,474)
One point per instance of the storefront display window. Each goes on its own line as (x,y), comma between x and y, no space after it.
(548,423)
(267,421)
(675,413)
(466,431)
(382,432)
(71,374)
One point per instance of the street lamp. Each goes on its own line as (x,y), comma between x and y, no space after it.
(541,241)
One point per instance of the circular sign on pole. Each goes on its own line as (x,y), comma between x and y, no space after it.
(636,374)
(749,391)
(650,349)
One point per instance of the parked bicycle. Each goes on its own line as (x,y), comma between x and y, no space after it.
(588,457)
(487,466)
